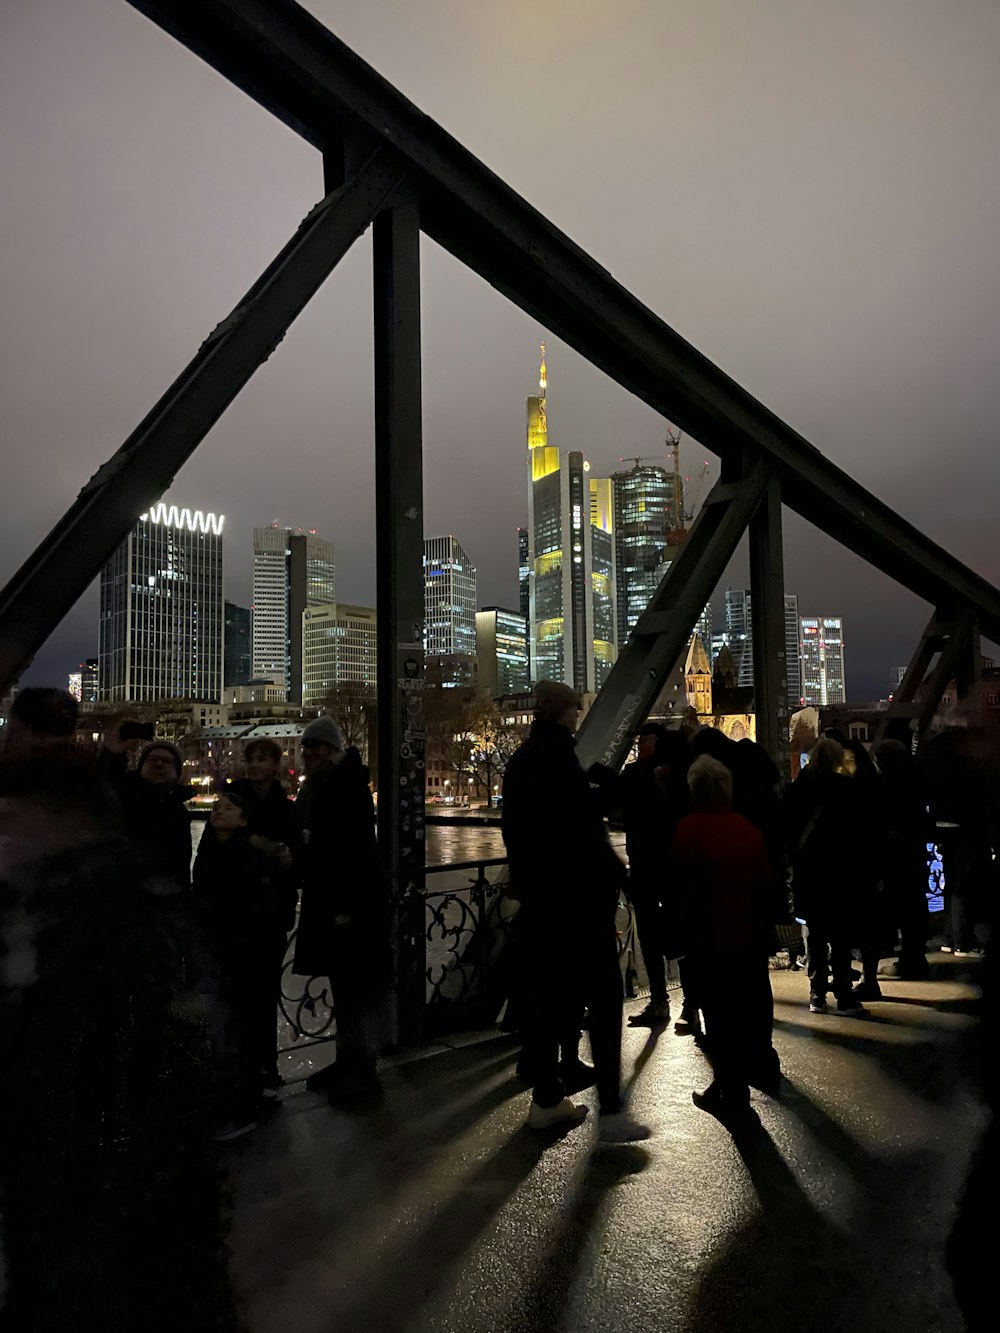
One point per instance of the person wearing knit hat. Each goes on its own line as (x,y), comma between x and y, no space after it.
(163,757)
(556,702)
(323,731)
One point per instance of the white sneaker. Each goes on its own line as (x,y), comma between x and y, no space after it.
(622,1128)
(817,1006)
(563,1113)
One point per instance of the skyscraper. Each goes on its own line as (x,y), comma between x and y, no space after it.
(292,569)
(85,683)
(646,517)
(739,638)
(502,650)
(523,586)
(571,560)
(449,599)
(236,663)
(161,609)
(823,680)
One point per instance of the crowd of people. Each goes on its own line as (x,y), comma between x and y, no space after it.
(720,853)
(139,983)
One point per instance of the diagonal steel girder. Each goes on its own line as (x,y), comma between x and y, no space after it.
(288,62)
(59,571)
(664,628)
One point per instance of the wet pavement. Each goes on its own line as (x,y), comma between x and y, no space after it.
(439,1212)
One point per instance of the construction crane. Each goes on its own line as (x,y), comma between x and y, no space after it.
(691,501)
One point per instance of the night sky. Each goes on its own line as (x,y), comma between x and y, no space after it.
(807,192)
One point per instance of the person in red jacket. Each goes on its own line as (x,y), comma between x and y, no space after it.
(721,869)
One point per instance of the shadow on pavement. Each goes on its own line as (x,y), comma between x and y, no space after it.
(788,1268)
(545,1303)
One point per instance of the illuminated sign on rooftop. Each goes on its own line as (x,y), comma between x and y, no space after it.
(194,520)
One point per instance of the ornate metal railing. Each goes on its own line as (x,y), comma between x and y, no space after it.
(466,928)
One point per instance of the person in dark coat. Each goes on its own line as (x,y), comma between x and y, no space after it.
(904,869)
(653,798)
(237,895)
(153,801)
(873,927)
(111,1200)
(719,862)
(568,881)
(344,917)
(834,858)
(273,831)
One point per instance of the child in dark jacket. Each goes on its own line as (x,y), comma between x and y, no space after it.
(241,909)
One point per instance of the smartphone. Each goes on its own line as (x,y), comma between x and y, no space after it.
(136,731)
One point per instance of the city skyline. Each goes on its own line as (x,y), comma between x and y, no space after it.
(845,294)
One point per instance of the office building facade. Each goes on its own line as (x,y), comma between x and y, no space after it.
(823,674)
(739,640)
(161,630)
(646,520)
(293,569)
(339,647)
(449,599)
(502,651)
(85,684)
(237,656)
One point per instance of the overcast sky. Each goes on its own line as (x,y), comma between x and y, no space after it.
(807,190)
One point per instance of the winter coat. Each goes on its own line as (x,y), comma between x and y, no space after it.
(154,818)
(238,898)
(834,848)
(908,831)
(652,804)
(562,866)
(109,1013)
(719,862)
(345,893)
(272,820)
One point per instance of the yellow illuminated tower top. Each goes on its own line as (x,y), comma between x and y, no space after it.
(544,457)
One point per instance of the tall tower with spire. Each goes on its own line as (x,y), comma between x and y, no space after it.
(570,559)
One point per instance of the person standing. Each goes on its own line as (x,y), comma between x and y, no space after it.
(272,831)
(153,799)
(239,907)
(834,871)
(720,864)
(568,880)
(343,929)
(653,797)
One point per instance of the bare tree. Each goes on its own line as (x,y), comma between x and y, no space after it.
(351,704)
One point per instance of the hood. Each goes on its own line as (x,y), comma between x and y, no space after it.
(350,769)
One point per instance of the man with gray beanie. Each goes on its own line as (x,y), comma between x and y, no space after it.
(343,931)
(567,879)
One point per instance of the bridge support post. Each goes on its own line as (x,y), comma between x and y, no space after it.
(952,636)
(767,601)
(399,514)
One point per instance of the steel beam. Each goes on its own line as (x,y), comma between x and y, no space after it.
(70,557)
(399,536)
(285,59)
(664,628)
(954,639)
(767,602)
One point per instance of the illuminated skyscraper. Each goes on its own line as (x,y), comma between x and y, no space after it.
(161,609)
(739,638)
(571,561)
(292,569)
(339,648)
(646,516)
(236,665)
(449,599)
(823,680)
(502,650)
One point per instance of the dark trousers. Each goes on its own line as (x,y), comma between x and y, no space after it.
(644,894)
(566,971)
(689,985)
(734,991)
(830,962)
